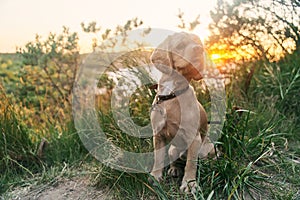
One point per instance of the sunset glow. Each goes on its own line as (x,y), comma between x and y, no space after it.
(43,17)
(215,57)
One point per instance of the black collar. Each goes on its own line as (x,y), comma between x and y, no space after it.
(161,98)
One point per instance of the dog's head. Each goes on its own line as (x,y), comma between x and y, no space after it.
(182,52)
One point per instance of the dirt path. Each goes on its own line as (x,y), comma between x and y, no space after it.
(62,189)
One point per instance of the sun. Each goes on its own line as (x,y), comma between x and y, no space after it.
(222,57)
(215,56)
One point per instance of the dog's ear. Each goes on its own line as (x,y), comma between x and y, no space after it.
(161,57)
(195,54)
(200,64)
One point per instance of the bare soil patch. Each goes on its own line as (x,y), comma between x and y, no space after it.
(62,189)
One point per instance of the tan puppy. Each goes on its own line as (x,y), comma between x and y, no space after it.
(178,120)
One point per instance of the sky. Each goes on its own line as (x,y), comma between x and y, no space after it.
(21,20)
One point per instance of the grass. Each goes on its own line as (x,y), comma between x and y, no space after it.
(259,144)
(16,147)
(235,175)
(21,160)
(259,158)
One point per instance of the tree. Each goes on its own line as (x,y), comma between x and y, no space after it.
(57,57)
(109,39)
(192,25)
(251,29)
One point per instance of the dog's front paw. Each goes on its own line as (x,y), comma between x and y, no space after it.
(188,186)
(175,171)
(155,178)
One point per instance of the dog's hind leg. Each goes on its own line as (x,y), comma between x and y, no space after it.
(207,149)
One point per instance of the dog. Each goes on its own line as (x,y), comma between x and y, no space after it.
(178,120)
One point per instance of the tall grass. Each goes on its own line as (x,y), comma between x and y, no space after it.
(234,175)
(17,152)
(23,158)
(275,91)
(259,159)
(277,85)
(259,143)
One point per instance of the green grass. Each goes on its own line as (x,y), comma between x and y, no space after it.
(239,172)
(260,156)
(20,161)
(10,65)
(259,145)
(16,148)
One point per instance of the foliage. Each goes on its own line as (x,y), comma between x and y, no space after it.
(247,30)
(254,143)
(280,83)
(46,79)
(23,153)
(274,91)
(9,67)
(112,39)
(192,25)
(38,82)
(259,144)
(16,149)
